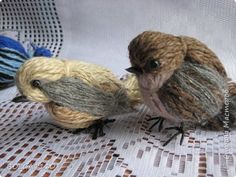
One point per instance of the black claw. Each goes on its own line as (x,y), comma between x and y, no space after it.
(171,138)
(153,125)
(98,127)
(77,131)
(179,131)
(154,118)
(160,120)
(182,139)
(101,133)
(160,125)
(95,133)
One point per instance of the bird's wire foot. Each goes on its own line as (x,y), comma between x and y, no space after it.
(159,121)
(179,130)
(77,131)
(98,127)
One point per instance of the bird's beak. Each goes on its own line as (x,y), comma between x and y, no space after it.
(19,99)
(134,70)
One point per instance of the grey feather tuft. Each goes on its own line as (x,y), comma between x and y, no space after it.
(198,93)
(232,109)
(74,93)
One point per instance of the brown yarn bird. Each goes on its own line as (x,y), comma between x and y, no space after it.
(181,80)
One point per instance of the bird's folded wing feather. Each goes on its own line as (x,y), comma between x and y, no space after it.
(74,93)
(195,93)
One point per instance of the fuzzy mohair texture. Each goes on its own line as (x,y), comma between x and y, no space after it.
(76,93)
(181,79)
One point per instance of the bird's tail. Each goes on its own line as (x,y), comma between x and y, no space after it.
(227,116)
(131,85)
(232,102)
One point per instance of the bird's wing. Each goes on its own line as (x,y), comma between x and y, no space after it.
(72,92)
(194,92)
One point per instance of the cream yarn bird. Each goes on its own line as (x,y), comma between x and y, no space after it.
(77,94)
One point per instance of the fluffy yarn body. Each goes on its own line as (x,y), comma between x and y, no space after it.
(75,93)
(180,78)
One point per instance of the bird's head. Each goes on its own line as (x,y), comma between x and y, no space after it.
(154,57)
(33,73)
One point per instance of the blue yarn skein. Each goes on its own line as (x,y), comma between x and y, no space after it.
(41,51)
(12,55)
(6,42)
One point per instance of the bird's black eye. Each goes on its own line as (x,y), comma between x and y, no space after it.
(154,64)
(35,83)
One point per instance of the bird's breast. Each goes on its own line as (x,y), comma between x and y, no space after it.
(152,100)
(69,118)
(149,85)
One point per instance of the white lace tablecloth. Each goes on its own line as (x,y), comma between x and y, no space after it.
(30,145)
(99,32)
